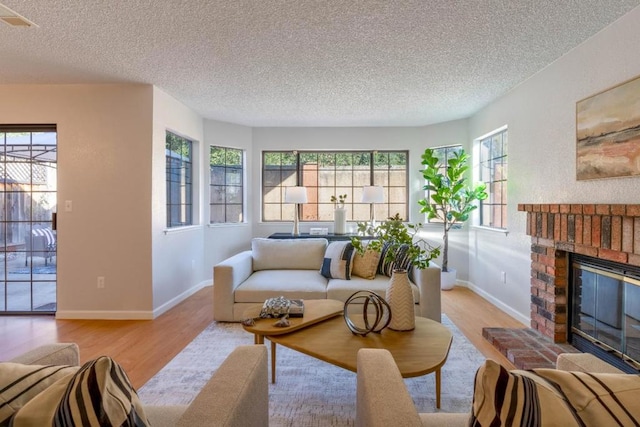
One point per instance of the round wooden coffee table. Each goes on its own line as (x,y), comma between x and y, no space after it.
(418,352)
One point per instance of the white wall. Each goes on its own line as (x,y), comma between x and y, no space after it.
(178,254)
(104,134)
(540,114)
(224,240)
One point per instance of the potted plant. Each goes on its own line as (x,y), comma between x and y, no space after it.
(450,198)
(399,243)
(395,234)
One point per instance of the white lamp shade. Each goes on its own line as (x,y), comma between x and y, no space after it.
(372,194)
(295,195)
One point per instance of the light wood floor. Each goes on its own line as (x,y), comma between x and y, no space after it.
(143,347)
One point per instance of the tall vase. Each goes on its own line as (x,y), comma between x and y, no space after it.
(340,221)
(400,299)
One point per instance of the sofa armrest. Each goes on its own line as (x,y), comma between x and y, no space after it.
(382,398)
(584,362)
(227,276)
(428,282)
(51,354)
(236,395)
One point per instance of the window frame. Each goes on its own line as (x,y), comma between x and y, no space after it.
(356,210)
(226,185)
(489,164)
(185,182)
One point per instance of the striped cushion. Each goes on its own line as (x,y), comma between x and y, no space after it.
(337,260)
(551,397)
(21,383)
(401,260)
(98,394)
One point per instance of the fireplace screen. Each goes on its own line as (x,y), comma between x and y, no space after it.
(606,311)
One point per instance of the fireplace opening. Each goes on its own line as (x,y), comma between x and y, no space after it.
(605,311)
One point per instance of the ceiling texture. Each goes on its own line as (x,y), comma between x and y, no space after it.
(303,62)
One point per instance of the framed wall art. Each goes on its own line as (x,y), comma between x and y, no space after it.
(608,133)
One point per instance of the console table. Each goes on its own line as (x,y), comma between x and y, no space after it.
(330,237)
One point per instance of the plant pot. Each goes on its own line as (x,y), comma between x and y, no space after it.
(340,221)
(448,279)
(400,299)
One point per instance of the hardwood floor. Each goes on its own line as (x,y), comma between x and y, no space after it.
(143,347)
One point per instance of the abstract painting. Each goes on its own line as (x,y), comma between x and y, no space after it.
(608,133)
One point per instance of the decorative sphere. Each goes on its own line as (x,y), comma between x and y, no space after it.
(381,315)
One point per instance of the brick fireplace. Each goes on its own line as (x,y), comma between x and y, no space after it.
(608,232)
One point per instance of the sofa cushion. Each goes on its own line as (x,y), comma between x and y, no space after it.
(553,397)
(341,290)
(337,260)
(98,394)
(287,254)
(365,265)
(292,284)
(400,261)
(21,383)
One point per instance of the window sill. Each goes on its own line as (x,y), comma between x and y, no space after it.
(227,224)
(185,228)
(489,229)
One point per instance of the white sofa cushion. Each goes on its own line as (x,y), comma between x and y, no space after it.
(341,290)
(287,254)
(292,284)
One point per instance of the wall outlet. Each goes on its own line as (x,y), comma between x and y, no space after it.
(100,282)
(503,275)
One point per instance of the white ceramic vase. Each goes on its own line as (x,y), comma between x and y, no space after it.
(340,221)
(400,299)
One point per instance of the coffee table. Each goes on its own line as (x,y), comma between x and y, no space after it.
(418,352)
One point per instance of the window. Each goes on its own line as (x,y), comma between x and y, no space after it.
(179,157)
(226,185)
(493,172)
(325,174)
(443,154)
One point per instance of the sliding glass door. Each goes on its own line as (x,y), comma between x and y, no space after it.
(28,203)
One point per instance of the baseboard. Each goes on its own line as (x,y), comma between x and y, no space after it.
(104,315)
(502,306)
(131,315)
(179,298)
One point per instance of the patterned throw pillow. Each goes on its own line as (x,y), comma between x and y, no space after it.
(366,265)
(337,260)
(99,394)
(551,397)
(21,383)
(401,262)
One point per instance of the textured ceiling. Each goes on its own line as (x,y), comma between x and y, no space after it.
(304,62)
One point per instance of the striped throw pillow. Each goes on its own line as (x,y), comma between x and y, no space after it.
(21,383)
(551,397)
(401,260)
(337,260)
(100,394)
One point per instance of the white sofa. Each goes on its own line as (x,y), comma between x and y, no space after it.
(291,268)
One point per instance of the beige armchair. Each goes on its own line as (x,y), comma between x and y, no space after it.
(237,395)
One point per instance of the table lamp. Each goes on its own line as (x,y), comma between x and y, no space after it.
(295,195)
(372,194)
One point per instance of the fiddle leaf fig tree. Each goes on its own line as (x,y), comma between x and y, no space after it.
(450,198)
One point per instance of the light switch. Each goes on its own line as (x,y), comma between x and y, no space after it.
(68,206)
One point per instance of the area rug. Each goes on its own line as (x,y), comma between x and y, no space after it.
(308,392)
